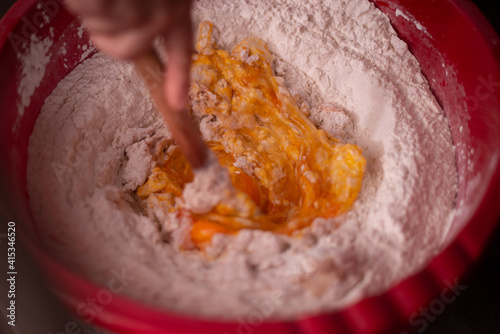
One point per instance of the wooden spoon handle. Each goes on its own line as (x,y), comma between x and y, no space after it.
(182,127)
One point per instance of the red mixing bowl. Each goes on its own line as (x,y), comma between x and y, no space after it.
(459,53)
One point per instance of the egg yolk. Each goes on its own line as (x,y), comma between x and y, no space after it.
(287,171)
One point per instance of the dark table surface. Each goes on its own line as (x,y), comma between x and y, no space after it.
(477,309)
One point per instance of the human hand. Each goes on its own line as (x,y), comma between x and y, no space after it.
(125,29)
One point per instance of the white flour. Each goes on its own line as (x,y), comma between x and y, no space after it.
(34,63)
(210,186)
(95,139)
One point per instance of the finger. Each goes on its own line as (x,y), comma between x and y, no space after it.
(115,16)
(89,7)
(112,24)
(129,43)
(179,50)
(123,46)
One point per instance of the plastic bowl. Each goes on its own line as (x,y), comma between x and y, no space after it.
(459,53)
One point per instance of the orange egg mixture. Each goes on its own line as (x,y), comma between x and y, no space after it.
(286,171)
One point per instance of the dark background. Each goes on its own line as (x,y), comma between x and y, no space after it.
(477,310)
